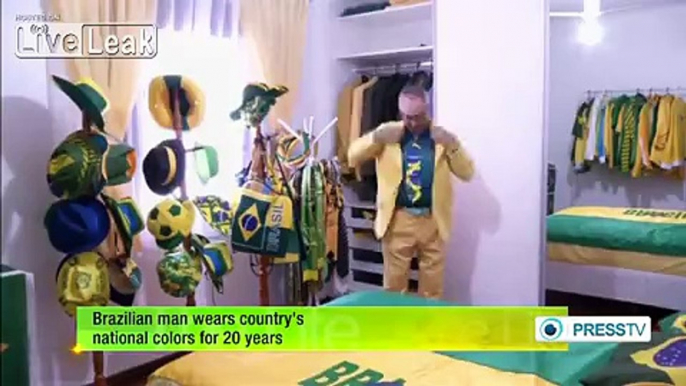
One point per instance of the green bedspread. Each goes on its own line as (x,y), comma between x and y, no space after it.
(658,232)
(562,368)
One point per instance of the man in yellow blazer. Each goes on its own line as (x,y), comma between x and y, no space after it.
(414,160)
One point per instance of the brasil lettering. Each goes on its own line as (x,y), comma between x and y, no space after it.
(348,373)
(674,214)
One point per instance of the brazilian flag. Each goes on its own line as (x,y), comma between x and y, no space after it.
(262,224)
(660,361)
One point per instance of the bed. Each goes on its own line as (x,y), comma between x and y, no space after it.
(629,254)
(358,368)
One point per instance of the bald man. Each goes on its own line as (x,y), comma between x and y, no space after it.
(414,200)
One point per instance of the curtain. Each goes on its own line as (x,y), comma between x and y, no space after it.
(276,31)
(194,40)
(118,78)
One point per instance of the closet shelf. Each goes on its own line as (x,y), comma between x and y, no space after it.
(385,57)
(393,15)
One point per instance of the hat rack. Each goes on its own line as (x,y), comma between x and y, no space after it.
(308,129)
(178,130)
(98,357)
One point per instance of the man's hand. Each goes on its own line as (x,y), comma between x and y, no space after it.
(443,137)
(388,134)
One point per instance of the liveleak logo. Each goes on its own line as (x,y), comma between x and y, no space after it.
(82,40)
(593,329)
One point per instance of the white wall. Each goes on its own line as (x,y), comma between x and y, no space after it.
(489,80)
(36,116)
(642,48)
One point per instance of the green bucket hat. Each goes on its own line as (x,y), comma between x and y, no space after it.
(119,164)
(75,166)
(127,218)
(88,96)
(206,162)
(179,273)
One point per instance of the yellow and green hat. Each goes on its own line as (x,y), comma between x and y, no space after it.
(119,164)
(258,98)
(179,273)
(161,94)
(216,257)
(127,218)
(82,280)
(216,212)
(88,96)
(75,166)
(206,162)
(125,280)
(170,222)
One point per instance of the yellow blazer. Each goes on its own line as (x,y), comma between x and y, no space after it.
(389,174)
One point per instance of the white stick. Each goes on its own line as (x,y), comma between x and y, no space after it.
(327,128)
(311,126)
(289,129)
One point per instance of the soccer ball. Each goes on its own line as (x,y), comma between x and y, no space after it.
(170,222)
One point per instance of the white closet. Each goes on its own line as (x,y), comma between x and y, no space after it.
(392,36)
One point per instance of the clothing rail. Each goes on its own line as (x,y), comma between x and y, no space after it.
(662,90)
(394,67)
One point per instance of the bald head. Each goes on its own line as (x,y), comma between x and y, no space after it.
(413,108)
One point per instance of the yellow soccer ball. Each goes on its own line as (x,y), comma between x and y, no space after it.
(170,222)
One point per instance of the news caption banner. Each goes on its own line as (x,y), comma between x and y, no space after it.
(313,329)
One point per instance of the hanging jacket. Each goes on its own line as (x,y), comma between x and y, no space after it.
(345,105)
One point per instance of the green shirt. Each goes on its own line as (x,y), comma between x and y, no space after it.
(418,170)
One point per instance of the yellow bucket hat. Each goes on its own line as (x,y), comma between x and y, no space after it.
(82,280)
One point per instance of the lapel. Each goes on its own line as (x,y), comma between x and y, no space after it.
(439,150)
(395,156)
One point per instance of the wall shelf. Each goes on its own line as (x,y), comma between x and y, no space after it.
(393,15)
(393,56)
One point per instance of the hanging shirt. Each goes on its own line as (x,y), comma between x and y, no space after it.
(580,133)
(592,126)
(627,128)
(659,153)
(418,170)
(668,147)
(600,132)
(612,119)
(645,122)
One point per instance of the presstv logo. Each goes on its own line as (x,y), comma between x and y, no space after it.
(593,329)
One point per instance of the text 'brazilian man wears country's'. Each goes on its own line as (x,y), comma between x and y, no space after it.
(132,318)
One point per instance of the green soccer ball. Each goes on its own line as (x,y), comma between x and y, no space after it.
(179,273)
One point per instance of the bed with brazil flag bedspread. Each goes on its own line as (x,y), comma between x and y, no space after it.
(629,254)
(584,364)
(647,240)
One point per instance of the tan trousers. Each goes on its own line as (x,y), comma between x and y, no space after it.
(408,236)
